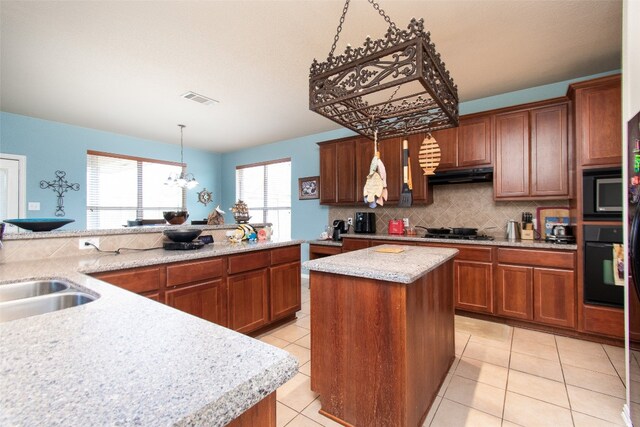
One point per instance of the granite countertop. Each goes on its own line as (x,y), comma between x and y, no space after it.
(325,242)
(404,267)
(525,244)
(124,359)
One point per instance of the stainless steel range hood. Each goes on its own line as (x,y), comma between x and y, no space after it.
(462,176)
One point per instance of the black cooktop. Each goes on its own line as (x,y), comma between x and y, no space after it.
(453,236)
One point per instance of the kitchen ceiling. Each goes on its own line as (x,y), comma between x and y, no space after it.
(122,66)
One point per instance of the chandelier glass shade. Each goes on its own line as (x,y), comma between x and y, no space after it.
(397,85)
(183,179)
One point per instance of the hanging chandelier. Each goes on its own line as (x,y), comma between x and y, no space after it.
(397,85)
(182,180)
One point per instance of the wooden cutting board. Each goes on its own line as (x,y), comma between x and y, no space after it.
(552,211)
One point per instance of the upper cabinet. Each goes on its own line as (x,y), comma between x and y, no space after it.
(532,153)
(344,166)
(598,118)
(467,146)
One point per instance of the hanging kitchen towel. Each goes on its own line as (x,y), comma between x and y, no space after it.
(383,174)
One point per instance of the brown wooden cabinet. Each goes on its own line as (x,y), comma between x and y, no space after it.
(321,251)
(598,118)
(248,300)
(328,173)
(391,156)
(514,291)
(554,297)
(284,290)
(474,141)
(364,154)
(420,193)
(532,153)
(448,142)
(473,283)
(345,161)
(349,245)
(205,300)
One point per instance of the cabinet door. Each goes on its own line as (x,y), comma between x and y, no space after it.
(420,192)
(248,308)
(549,151)
(138,280)
(554,297)
(345,168)
(474,142)
(284,290)
(328,173)
(205,300)
(474,286)
(354,244)
(511,177)
(598,111)
(514,291)
(391,155)
(364,154)
(448,142)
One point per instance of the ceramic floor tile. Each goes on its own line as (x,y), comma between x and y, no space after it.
(580,346)
(461,340)
(296,393)
(533,348)
(483,328)
(536,366)
(451,414)
(620,367)
(312,413)
(596,404)
(445,384)
(482,372)
(584,420)
(270,339)
(303,355)
(284,414)
(520,334)
(614,353)
(304,341)
(506,423)
(304,321)
(539,388)
(306,308)
(290,333)
(527,411)
(598,363)
(492,355)
(504,344)
(432,411)
(305,369)
(302,421)
(476,395)
(595,381)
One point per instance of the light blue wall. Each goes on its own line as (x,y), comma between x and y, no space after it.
(51,146)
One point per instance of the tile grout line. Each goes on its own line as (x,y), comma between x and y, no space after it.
(506,384)
(564,380)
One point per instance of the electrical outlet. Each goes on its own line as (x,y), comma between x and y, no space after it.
(92,240)
(350,221)
(33,206)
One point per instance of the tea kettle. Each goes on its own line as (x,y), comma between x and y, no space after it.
(513,229)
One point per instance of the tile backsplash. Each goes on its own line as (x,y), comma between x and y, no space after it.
(455,205)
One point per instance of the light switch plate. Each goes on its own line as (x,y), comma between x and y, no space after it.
(33,206)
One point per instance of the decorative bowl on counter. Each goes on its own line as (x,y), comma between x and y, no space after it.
(39,224)
(175,217)
(182,234)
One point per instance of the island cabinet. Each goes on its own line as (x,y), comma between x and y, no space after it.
(532,153)
(598,114)
(537,286)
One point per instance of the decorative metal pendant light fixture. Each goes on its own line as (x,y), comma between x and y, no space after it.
(182,180)
(397,85)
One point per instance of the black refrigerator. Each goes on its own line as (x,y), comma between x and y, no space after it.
(633,285)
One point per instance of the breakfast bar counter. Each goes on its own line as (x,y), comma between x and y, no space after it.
(382,332)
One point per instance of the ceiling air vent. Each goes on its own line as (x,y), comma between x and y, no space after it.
(200,99)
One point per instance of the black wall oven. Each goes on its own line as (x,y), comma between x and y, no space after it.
(603,265)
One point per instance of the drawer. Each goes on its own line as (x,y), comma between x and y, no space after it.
(537,258)
(248,262)
(194,271)
(325,250)
(135,280)
(467,252)
(288,254)
(354,244)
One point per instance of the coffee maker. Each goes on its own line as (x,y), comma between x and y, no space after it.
(365,222)
(340,227)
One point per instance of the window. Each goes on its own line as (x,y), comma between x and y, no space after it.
(266,189)
(121,188)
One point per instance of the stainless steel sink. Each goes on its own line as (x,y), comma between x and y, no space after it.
(15,291)
(34,306)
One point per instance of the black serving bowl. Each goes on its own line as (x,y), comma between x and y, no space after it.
(39,224)
(182,234)
(175,217)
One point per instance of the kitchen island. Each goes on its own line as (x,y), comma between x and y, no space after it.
(382,332)
(124,359)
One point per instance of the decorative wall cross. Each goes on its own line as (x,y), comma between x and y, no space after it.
(60,186)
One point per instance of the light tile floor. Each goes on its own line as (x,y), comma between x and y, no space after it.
(502,376)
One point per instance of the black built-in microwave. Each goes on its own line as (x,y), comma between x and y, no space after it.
(602,194)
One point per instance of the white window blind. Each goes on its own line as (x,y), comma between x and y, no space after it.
(266,189)
(121,188)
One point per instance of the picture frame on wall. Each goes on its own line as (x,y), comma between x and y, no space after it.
(309,188)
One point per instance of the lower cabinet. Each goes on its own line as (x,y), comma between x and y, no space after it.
(284,290)
(205,300)
(248,305)
(554,297)
(473,284)
(514,291)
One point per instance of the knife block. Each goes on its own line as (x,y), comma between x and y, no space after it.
(526,232)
